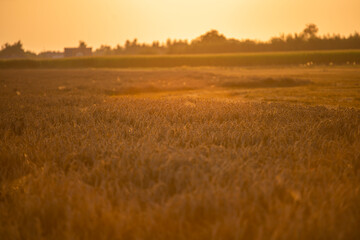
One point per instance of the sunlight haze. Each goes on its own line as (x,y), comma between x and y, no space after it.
(55,24)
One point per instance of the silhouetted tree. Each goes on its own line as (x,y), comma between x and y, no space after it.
(310,31)
(82,44)
(15,50)
(211,42)
(214,42)
(103,50)
(212,36)
(118,50)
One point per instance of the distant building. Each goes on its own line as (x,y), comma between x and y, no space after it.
(50,54)
(77,52)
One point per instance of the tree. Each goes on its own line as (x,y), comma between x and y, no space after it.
(13,51)
(310,31)
(82,44)
(212,36)
(103,50)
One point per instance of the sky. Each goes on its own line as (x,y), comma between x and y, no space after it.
(54,24)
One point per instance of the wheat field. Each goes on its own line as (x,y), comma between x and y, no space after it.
(319,57)
(180,153)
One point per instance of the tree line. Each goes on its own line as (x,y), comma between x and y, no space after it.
(212,42)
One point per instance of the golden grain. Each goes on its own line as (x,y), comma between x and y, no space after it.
(86,164)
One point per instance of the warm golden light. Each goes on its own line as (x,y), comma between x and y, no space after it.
(45,25)
(179,119)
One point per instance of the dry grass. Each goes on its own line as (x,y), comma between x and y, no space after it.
(322,57)
(81,158)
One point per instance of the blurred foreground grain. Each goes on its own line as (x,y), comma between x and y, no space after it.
(180,154)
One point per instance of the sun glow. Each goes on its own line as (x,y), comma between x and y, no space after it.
(52,25)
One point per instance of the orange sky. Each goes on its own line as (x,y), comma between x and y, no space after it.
(53,24)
